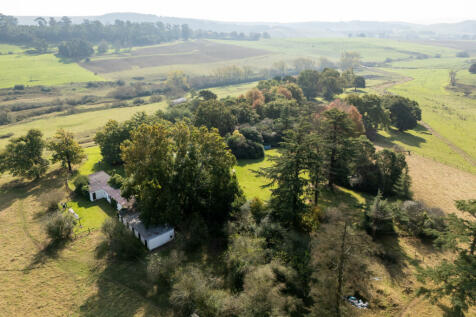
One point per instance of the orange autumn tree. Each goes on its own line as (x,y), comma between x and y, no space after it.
(352,111)
(255,97)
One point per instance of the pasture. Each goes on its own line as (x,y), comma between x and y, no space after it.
(450,113)
(83,124)
(32,70)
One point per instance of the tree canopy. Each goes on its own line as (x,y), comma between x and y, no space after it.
(23,156)
(65,149)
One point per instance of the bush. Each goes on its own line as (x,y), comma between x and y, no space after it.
(472,68)
(192,293)
(462,54)
(18,87)
(138,101)
(243,148)
(417,219)
(121,242)
(160,269)
(60,227)
(116,181)
(81,184)
(155,98)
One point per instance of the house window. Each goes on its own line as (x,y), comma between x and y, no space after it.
(94,196)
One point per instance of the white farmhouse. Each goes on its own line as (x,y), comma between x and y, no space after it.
(99,188)
(152,237)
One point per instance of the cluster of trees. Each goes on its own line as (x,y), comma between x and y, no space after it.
(383,111)
(24,156)
(328,83)
(119,34)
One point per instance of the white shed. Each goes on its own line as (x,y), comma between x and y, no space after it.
(152,237)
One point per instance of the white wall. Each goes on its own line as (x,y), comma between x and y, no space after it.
(160,240)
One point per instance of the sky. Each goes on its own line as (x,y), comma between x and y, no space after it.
(416,11)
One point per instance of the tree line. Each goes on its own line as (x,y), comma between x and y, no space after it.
(119,34)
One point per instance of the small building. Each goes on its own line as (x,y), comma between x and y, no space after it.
(99,188)
(152,237)
(178,101)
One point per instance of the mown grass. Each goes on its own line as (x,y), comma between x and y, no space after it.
(233,90)
(83,124)
(45,69)
(91,214)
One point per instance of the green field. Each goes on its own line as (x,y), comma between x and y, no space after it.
(450,113)
(45,69)
(371,50)
(82,124)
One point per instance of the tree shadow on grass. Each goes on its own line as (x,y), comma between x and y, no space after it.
(123,289)
(244,162)
(50,251)
(448,311)
(403,137)
(20,188)
(393,257)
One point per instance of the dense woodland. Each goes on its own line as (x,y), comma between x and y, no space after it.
(289,255)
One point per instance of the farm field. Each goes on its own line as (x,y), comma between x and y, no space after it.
(82,124)
(159,59)
(20,68)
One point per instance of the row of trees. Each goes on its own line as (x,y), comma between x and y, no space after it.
(120,33)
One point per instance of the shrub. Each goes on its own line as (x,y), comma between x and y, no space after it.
(243,148)
(121,242)
(257,209)
(138,101)
(60,227)
(155,98)
(190,291)
(81,184)
(18,87)
(116,181)
(472,68)
(462,54)
(160,269)
(417,219)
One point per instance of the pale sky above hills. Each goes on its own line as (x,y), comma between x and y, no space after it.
(417,11)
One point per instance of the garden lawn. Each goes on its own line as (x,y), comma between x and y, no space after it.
(91,214)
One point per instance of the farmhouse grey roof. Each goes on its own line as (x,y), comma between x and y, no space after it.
(133,220)
(99,181)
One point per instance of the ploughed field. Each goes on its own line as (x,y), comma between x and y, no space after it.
(190,52)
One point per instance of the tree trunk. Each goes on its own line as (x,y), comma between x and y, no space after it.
(473,244)
(69,166)
(340,272)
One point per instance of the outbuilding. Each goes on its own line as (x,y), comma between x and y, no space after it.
(152,237)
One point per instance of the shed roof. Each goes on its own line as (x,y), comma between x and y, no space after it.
(99,181)
(147,233)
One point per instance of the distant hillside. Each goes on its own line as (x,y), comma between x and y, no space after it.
(460,30)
